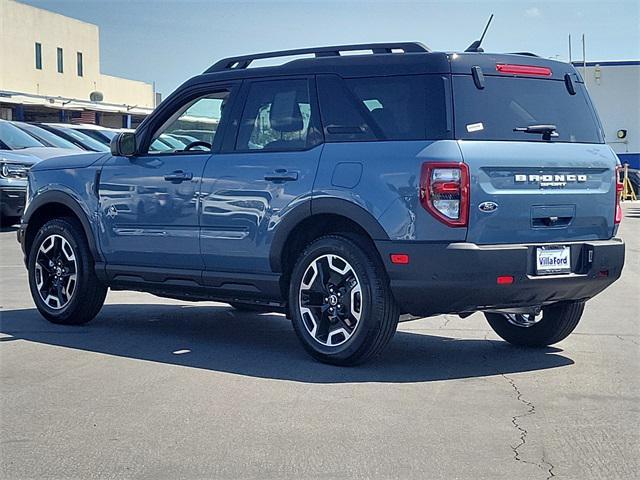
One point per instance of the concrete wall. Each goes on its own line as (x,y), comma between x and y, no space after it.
(21,26)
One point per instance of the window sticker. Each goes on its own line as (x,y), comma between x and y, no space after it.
(475,127)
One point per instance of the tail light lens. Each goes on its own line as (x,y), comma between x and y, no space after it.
(524,70)
(619,189)
(444,192)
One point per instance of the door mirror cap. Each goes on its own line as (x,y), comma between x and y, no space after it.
(124,144)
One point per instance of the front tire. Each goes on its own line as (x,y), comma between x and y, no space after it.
(340,301)
(62,279)
(555,324)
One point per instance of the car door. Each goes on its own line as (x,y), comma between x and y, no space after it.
(149,202)
(267,167)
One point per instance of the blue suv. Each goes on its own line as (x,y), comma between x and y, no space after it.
(344,191)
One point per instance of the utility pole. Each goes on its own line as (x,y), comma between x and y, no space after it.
(569,48)
(584,58)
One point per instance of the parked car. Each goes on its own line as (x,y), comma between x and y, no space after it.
(45,137)
(13,184)
(76,137)
(101,134)
(13,138)
(345,191)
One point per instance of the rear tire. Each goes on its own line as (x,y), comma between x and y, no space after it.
(340,301)
(61,271)
(557,322)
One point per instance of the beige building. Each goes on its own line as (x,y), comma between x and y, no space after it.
(50,71)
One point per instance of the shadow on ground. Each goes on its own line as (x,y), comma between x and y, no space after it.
(265,346)
(632,212)
(8,228)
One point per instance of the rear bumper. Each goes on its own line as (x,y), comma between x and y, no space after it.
(12,200)
(462,277)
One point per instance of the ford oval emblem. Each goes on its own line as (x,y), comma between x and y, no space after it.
(488,207)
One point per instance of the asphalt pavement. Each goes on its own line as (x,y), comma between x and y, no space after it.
(156,388)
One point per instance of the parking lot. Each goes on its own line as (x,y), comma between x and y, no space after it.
(156,388)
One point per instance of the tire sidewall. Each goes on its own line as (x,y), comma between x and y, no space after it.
(69,233)
(368,323)
(557,323)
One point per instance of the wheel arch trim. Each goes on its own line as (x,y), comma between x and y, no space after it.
(65,199)
(318,206)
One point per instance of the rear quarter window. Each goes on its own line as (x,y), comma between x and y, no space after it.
(507,102)
(399,107)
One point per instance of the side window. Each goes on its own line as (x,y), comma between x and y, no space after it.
(193,127)
(277,116)
(343,118)
(403,107)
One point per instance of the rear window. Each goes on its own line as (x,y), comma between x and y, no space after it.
(403,107)
(507,103)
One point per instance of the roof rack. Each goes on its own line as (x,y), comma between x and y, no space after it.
(233,63)
(528,54)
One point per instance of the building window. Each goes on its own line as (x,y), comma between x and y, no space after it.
(60,62)
(38,56)
(80,70)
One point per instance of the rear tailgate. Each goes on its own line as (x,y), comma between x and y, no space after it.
(539,169)
(529,192)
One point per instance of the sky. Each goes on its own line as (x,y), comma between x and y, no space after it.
(168,41)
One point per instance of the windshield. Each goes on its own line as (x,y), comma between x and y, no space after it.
(13,138)
(506,103)
(46,136)
(86,140)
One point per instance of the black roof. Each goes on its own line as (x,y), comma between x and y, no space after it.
(382,59)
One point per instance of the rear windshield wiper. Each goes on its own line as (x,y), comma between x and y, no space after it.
(547,131)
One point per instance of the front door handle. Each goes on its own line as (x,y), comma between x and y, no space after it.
(281,175)
(178,176)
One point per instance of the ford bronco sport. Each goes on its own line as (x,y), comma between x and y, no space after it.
(345,191)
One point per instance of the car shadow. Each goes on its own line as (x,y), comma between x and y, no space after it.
(265,346)
(8,228)
(632,212)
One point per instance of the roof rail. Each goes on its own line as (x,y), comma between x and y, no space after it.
(245,60)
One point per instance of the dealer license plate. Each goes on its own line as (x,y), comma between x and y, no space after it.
(553,260)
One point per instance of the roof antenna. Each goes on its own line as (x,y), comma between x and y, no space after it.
(475,46)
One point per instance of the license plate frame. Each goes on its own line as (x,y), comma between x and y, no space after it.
(553,260)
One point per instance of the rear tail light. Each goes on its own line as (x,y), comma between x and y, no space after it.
(619,189)
(444,192)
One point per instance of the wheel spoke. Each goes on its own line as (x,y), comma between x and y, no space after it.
(323,326)
(321,280)
(59,293)
(312,299)
(44,263)
(523,320)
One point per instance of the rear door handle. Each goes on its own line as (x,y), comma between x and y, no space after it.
(178,176)
(281,175)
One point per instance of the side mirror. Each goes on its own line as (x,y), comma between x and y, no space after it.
(124,144)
